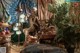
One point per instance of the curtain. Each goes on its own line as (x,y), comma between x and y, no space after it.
(43,12)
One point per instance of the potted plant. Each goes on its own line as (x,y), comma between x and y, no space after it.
(68,31)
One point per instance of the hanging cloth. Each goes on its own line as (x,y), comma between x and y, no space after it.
(10,6)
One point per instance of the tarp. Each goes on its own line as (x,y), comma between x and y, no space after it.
(11,5)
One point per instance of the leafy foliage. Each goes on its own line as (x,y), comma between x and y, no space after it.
(67,32)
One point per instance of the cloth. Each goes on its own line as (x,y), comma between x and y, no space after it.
(14,37)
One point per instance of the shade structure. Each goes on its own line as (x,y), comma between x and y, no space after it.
(41,48)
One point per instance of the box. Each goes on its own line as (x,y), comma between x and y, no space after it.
(3,50)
